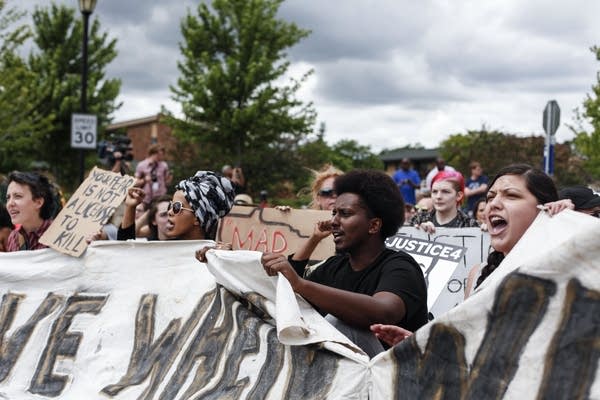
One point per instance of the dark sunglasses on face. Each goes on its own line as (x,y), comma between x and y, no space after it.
(177,206)
(326,192)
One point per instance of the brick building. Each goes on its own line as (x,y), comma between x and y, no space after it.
(143,132)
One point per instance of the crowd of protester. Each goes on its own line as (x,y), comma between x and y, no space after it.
(375,296)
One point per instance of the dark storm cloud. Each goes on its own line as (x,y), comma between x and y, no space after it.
(148,42)
(428,68)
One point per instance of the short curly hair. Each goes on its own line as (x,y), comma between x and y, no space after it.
(40,187)
(380,195)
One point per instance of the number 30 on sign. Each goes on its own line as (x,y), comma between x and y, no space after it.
(83,131)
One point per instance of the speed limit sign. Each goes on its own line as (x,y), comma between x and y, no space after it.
(83,131)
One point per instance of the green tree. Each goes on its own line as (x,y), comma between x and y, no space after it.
(57,64)
(234,104)
(587,144)
(20,123)
(494,150)
(345,155)
(12,34)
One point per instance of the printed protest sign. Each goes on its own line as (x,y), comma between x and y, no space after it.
(437,260)
(90,207)
(476,244)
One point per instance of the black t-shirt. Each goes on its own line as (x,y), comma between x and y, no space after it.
(394,272)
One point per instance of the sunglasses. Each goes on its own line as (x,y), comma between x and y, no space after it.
(326,193)
(177,206)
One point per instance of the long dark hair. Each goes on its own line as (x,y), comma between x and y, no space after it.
(152,215)
(538,184)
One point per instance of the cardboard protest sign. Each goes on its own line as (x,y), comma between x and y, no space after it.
(90,207)
(146,320)
(272,230)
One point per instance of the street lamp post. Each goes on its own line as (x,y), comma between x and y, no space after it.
(87,8)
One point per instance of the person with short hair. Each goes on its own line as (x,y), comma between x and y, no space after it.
(153,174)
(447,191)
(407,180)
(584,199)
(476,186)
(30,203)
(364,282)
(440,166)
(236,176)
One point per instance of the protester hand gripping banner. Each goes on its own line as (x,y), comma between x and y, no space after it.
(90,207)
(298,323)
(446,256)
(146,320)
(531,331)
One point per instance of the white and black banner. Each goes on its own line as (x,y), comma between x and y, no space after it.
(146,320)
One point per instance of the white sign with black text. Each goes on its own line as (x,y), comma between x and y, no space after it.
(83,131)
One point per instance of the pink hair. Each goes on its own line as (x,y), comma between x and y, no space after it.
(454,177)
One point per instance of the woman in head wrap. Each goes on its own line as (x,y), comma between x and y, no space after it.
(197,205)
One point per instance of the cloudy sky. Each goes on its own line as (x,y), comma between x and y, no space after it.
(389,73)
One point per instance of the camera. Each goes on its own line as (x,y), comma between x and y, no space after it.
(121,144)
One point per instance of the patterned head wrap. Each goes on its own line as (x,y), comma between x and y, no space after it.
(210,196)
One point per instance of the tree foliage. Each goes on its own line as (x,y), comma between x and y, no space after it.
(587,144)
(234,102)
(495,150)
(20,123)
(56,63)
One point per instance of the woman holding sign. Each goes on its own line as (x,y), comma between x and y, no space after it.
(29,201)
(516,196)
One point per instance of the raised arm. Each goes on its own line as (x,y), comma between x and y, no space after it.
(321,230)
(134,197)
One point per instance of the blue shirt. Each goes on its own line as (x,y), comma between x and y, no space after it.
(474,184)
(408,192)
